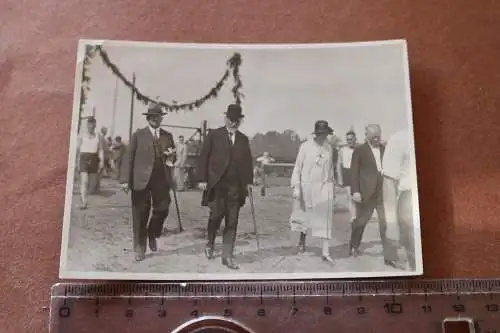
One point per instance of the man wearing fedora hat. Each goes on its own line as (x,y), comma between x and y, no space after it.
(146,171)
(225,174)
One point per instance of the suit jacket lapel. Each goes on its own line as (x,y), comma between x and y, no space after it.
(237,137)
(370,153)
(148,134)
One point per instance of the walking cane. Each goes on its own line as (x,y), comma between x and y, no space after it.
(252,209)
(181,229)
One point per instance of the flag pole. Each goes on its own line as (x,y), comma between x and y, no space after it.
(131,121)
(115,98)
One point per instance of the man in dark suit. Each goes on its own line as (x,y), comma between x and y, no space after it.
(366,190)
(146,171)
(225,174)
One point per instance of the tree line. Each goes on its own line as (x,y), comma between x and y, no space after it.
(283,147)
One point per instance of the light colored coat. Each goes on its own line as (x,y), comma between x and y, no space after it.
(313,175)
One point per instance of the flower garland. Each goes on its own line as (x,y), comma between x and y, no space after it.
(89,54)
(233,64)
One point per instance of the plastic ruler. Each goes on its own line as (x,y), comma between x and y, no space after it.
(422,306)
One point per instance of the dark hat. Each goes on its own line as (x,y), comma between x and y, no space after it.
(154,109)
(321,127)
(234,112)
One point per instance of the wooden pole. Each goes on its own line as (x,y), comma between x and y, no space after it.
(132,99)
(204,130)
(115,98)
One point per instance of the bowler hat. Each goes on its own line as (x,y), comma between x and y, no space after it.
(154,109)
(234,112)
(321,127)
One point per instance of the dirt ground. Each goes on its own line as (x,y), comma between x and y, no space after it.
(101,237)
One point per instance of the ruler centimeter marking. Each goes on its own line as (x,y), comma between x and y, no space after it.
(351,306)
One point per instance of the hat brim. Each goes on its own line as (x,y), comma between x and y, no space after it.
(237,117)
(153,114)
(327,131)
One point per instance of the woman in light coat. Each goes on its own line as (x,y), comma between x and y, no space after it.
(314,190)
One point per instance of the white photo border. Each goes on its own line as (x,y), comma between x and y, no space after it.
(230,276)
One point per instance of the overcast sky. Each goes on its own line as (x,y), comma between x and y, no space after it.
(285,88)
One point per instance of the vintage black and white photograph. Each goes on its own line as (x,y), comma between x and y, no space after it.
(241,161)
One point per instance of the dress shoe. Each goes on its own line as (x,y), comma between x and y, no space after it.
(230,263)
(394,264)
(152,244)
(140,256)
(328,259)
(354,252)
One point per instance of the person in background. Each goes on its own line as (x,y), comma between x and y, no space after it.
(118,149)
(180,164)
(90,157)
(398,183)
(264,172)
(102,172)
(313,187)
(192,154)
(334,141)
(109,158)
(344,169)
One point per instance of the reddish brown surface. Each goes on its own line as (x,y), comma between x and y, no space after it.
(454,53)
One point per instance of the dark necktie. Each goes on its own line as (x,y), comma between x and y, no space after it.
(156,143)
(231,137)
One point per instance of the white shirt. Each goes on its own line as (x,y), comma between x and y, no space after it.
(155,131)
(88,143)
(376,154)
(346,156)
(181,154)
(232,136)
(265,160)
(396,162)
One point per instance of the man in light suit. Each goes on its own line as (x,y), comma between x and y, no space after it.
(146,171)
(225,174)
(366,190)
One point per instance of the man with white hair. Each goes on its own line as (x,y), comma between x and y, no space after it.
(366,190)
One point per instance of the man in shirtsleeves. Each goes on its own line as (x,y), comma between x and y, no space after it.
(225,175)
(90,157)
(147,172)
(398,193)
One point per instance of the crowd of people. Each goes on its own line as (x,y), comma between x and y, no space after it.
(376,176)
(100,156)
